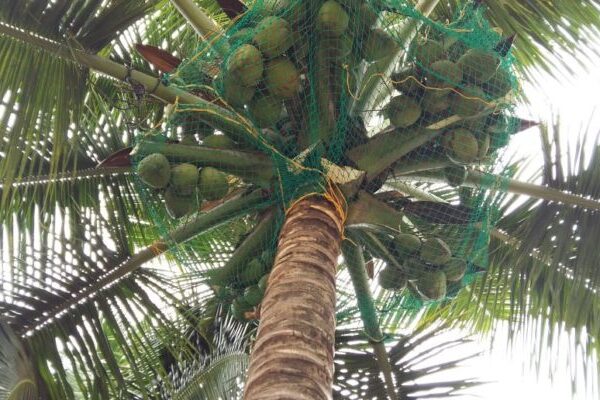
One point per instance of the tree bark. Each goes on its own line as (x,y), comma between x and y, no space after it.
(293,355)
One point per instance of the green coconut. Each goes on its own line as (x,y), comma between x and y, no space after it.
(332,19)
(363,19)
(428,52)
(403,111)
(154,170)
(444,74)
(184,178)
(253,295)
(266,110)
(391,278)
(435,251)
(462,145)
(189,140)
(457,50)
(273,36)
(236,94)
(243,35)
(246,65)
(433,103)
(455,269)
(478,65)
(177,206)
(263,282)
(222,292)
(470,102)
(378,45)
(408,81)
(499,85)
(239,309)
(212,184)
(406,244)
(456,175)
(218,142)
(252,272)
(432,285)
(282,78)
(483,143)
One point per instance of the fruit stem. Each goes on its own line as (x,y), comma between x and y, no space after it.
(224,120)
(370,82)
(203,24)
(355,262)
(412,166)
(250,166)
(367,209)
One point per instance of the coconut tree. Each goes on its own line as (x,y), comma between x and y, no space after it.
(88,311)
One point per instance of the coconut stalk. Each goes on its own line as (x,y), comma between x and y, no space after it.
(355,261)
(192,226)
(385,66)
(293,354)
(367,209)
(220,118)
(204,25)
(252,167)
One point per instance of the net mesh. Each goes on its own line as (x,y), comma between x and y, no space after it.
(397,110)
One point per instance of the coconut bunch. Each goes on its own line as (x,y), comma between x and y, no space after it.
(445,79)
(183,186)
(244,294)
(426,266)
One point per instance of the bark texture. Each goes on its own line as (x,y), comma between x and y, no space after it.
(292,358)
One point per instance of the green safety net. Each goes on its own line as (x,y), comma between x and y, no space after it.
(396,110)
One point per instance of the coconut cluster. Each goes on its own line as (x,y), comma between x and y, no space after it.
(245,294)
(444,79)
(184,186)
(426,266)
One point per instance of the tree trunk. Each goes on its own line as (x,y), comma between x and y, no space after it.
(292,358)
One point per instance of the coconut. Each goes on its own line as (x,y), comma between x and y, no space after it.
(218,142)
(455,269)
(435,251)
(184,178)
(406,243)
(233,92)
(212,184)
(499,85)
(273,36)
(457,50)
(432,285)
(456,175)
(391,278)
(263,282)
(433,103)
(252,272)
(478,65)
(177,206)
(462,145)
(378,45)
(484,145)
(403,111)
(363,19)
(332,19)
(189,140)
(242,36)
(253,295)
(154,170)
(245,65)
(408,81)
(265,110)
(239,309)
(429,52)
(470,102)
(282,78)
(444,74)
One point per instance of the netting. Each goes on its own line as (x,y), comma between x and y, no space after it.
(393,108)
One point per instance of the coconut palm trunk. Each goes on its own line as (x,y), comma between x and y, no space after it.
(293,355)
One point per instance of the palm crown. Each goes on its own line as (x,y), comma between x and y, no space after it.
(84,312)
